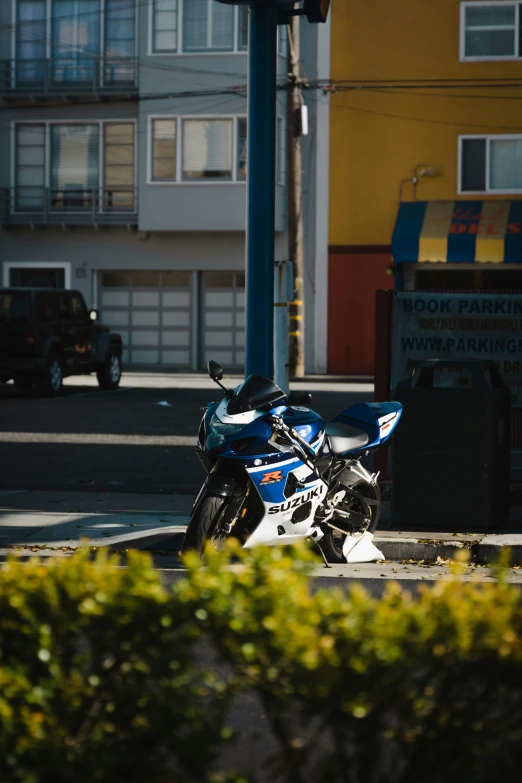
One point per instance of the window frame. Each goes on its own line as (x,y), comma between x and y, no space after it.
(236,147)
(281,153)
(488,137)
(280,176)
(489,58)
(152,31)
(102,53)
(179,119)
(9,265)
(150,149)
(180,52)
(101,153)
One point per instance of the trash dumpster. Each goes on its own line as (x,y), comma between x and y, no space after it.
(451,451)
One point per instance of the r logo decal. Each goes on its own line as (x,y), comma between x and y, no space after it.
(272,478)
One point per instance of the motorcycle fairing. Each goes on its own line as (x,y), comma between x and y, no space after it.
(277,525)
(308,424)
(378,420)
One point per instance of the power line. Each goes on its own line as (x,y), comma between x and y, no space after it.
(422,82)
(459,124)
(124,115)
(397,91)
(170,95)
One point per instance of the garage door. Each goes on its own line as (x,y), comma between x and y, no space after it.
(223,327)
(152,312)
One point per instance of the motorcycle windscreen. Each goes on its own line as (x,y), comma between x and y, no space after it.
(256,393)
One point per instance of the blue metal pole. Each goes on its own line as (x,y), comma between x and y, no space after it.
(262,47)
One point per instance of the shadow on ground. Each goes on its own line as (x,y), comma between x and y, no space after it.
(30,462)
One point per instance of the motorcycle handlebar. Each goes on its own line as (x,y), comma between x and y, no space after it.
(278,425)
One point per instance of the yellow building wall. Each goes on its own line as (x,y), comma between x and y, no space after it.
(378,136)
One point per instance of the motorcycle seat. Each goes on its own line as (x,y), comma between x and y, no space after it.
(343,438)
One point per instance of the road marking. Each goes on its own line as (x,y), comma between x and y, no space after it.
(97,439)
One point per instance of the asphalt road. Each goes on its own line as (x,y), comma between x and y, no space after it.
(114,441)
(374,586)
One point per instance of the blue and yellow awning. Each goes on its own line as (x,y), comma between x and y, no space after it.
(488,232)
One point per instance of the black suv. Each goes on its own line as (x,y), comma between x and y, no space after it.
(47,334)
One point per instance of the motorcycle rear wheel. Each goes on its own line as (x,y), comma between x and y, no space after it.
(203,523)
(332,542)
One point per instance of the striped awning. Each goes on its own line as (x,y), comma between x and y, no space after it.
(488,232)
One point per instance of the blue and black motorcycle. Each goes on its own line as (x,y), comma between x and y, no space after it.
(277,473)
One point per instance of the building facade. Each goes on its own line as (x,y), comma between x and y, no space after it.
(123,167)
(425,157)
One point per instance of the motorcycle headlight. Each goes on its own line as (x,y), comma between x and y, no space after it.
(218,431)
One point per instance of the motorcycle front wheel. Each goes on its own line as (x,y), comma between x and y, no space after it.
(332,542)
(204,523)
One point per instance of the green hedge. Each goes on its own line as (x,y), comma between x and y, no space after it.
(425,688)
(98,680)
(101,675)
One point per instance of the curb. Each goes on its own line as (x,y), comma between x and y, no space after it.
(418,549)
(492,547)
(486,551)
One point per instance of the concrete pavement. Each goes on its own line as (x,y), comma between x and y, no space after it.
(122,441)
(46,522)
(62,519)
(78,462)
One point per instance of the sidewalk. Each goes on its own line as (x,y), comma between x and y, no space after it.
(56,520)
(46,522)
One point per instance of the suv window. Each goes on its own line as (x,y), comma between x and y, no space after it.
(13,307)
(79,309)
(45,308)
(64,306)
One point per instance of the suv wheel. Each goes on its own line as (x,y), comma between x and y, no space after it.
(109,374)
(50,382)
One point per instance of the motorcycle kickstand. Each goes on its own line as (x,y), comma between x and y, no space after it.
(319,547)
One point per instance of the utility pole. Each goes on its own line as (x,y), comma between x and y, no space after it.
(261,159)
(295,212)
(264,16)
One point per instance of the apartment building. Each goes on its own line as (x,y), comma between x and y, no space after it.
(425,157)
(123,138)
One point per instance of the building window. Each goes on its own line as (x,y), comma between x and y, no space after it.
(280,151)
(242,33)
(91,166)
(30,41)
(282,40)
(76,48)
(207,149)
(491,164)
(165,26)
(208,26)
(202,26)
(30,166)
(120,41)
(75,153)
(163,167)
(118,166)
(75,34)
(242,148)
(490,31)
(210,149)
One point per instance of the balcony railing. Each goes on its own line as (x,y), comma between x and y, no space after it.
(68,206)
(69,76)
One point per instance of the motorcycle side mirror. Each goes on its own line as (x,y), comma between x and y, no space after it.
(215,371)
(300,398)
